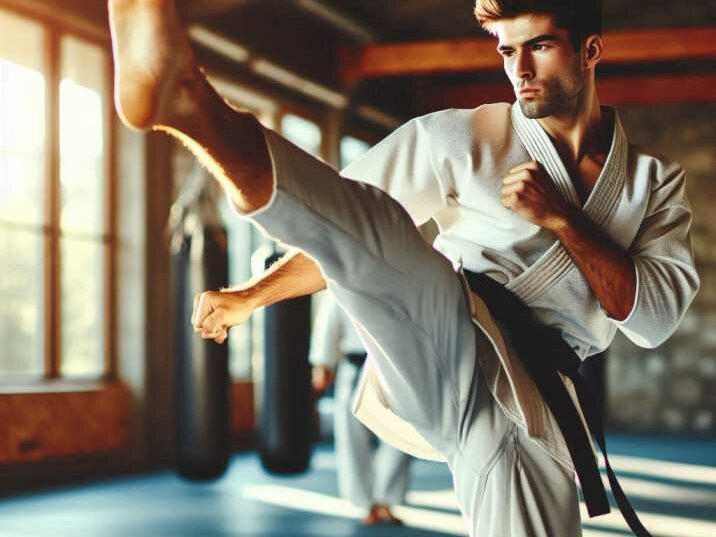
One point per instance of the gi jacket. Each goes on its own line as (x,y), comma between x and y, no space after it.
(449,166)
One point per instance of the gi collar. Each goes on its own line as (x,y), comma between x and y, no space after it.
(600,204)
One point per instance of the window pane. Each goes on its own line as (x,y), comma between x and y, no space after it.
(239,235)
(22,120)
(305,134)
(21,319)
(351,149)
(82,136)
(82,307)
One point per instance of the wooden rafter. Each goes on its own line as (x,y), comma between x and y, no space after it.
(476,55)
(642,90)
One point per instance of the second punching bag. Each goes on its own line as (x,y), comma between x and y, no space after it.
(287,406)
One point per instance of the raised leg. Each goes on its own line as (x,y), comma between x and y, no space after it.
(403,294)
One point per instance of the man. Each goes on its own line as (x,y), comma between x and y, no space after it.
(372,478)
(545,196)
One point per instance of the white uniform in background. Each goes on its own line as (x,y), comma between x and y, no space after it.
(442,381)
(366,475)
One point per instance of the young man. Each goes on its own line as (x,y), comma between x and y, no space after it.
(545,197)
(372,478)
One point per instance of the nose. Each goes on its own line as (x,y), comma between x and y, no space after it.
(523,67)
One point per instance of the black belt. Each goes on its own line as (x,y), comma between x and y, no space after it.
(356,358)
(545,354)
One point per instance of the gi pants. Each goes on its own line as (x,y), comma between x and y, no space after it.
(366,475)
(410,308)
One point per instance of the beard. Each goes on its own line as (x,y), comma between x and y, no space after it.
(559,95)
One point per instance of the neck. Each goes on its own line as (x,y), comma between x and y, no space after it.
(580,129)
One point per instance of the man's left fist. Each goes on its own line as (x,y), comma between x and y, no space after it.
(530,192)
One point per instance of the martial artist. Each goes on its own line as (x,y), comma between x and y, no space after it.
(545,198)
(375,478)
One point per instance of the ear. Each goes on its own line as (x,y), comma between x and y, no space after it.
(593,48)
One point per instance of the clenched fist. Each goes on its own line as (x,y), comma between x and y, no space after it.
(215,312)
(530,192)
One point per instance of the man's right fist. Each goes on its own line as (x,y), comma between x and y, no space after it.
(215,312)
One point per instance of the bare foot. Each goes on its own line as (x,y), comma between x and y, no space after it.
(381,515)
(158,85)
(152,57)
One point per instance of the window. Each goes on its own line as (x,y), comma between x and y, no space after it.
(351,149)
(55,224)
(305,134)
(248,248)
(22,219)
(241,239)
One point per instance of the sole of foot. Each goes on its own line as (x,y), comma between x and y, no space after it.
(151,55)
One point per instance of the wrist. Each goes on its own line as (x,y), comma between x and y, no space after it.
(565,222)
(247,296)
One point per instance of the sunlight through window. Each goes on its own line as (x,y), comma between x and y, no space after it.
(82,179)
(22,172)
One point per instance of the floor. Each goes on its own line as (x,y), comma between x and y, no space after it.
(672,483)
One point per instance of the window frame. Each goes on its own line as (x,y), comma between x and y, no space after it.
(51,378)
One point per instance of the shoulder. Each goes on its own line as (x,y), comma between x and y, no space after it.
(464,117)
(455,130)
(660,169)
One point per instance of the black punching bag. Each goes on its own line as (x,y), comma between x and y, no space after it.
(200,263)
(286,414)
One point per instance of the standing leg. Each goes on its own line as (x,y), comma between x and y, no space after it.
(354,452)
(392,475)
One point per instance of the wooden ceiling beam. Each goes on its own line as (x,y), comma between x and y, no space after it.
(475,55)
(195,10)
(633,91)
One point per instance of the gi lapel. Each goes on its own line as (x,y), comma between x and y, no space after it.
(555,262)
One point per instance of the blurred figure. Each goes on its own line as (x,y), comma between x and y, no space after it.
(375,478)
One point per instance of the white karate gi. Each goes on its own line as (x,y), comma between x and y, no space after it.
(366,475)
(437,386)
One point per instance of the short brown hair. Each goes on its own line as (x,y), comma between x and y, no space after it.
(581,18)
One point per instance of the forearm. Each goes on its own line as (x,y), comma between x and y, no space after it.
(292,276)
(608,269)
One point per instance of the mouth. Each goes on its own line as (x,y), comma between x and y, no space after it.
(526,92)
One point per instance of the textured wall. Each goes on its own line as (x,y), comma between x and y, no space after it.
(673,388)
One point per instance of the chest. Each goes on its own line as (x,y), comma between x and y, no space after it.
(585,174)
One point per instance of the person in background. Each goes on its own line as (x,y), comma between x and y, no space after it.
(374,478)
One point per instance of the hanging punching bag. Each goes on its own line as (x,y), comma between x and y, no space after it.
(286,426)
(202,372)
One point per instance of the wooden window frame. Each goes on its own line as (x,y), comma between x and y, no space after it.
(52,378)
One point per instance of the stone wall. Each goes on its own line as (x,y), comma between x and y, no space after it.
(673,388)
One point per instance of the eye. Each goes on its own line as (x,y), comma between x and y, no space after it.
(537,47)
(507,53)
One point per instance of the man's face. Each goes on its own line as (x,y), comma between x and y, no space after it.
(544,68)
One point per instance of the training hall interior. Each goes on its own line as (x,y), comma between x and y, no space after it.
(116,419)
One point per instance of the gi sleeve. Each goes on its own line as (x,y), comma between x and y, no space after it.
(402,165)
(663,260)
(326,334)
